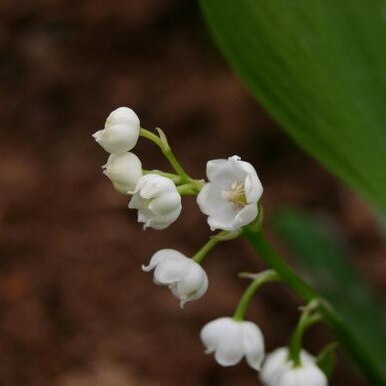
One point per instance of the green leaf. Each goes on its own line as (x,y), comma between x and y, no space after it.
(318,67)
(321,256)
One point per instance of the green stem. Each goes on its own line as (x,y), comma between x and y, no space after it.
(326,359)
(305,322)
(188,189)
(261,278)
(305,292)
(167,152)
(174,177)
(206,248)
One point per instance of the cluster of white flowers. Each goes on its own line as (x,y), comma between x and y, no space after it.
(155,197)
(230,199)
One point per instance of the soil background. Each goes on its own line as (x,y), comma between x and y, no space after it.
(75,307)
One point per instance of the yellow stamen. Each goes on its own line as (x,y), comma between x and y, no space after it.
(235,196)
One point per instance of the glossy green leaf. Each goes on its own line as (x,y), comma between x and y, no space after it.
(319,68)
(321,256)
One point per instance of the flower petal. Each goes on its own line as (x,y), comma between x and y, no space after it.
(212,333)
(135,202)
(224,220)
(306,375)
(253,188)
(245,216)
(165,203)
(169,270)
(230,350)
(224,337)
(167,264)
(224,172)
(253,342)
(306,357)
(118,138)
(122,116)
(162,222)
(274,364)
(98,135)
(209,199)
(193,283)
(124,170)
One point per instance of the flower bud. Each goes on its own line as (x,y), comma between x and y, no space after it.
(185,278)
(231,340)
(124,171)
(122,116)
(231,195)
(157,200)
(121,131)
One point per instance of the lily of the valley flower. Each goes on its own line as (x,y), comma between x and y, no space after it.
(124,171)
(279,370)
(231,340)
(306,375)
(185,278)
(230,198)
(157,200)
(121,131)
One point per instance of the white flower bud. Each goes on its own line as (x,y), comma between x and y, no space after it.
(121,116)
(124,171)
(278,361)
(185,278)
(230,198)
(231,340)
(121,131)
(157,200)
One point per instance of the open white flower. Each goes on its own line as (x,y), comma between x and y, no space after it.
(230,198)
(121,131)
(185,278)
(307,374)
(231,340)
(278,361)
(157,200)
(124,171)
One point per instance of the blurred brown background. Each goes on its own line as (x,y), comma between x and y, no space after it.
(75,307)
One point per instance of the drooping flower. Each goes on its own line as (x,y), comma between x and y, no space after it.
(230,197)
(157,200)
(278,361)
(121,131)
(231,340)
(308,374)
(185,278)
(124,171)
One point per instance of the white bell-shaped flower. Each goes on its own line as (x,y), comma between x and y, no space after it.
(279,361)
(157,200)
(231,340)
(121,131)
(307,374)
(230,198)
(185,278)
(124,171)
